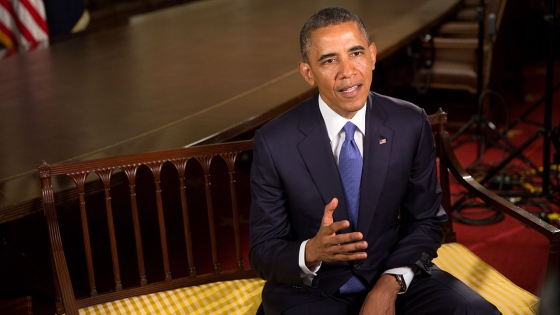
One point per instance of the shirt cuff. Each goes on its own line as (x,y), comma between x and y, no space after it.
(305,273)
(406,272)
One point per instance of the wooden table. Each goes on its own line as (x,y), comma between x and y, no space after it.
(168,79)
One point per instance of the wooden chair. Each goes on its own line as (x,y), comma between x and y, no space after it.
(456,64)
(155,209)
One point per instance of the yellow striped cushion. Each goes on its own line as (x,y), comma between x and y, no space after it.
(228,297)
(244,296)
(487,281)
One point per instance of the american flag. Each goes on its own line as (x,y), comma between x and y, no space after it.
(383,141)
(23,26)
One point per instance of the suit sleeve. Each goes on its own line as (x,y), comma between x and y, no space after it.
(273,254)
(421,214)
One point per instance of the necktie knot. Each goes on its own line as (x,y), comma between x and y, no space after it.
(349,130)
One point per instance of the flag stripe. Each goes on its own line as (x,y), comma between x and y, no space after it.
(23,24)
(30,30)
(36,13)
(25,38)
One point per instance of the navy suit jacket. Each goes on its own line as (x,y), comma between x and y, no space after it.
(294,175)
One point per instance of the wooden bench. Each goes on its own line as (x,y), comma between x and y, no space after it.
(167,232)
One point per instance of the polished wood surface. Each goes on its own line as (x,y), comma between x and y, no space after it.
(171,78)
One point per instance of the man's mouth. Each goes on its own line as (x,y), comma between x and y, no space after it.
(350,89)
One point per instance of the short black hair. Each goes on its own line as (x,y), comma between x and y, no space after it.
(327,17)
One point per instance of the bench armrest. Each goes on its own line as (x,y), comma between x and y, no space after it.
(466,180)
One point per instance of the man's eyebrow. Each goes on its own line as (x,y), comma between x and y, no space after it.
(354,48)
(325,56)
(357,47)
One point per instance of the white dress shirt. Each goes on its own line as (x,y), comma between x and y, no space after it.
(335,123)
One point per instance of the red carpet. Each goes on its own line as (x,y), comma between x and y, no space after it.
(513,249)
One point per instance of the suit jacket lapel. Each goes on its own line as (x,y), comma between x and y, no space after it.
(376,161)
(313,149)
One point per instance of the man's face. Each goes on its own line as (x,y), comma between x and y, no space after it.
(340,62)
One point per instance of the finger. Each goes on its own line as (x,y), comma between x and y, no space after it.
(336,227)
(350,249)
(347,252)
(348,256)
(328,214)
(347,238)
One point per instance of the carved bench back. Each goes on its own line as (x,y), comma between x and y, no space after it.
(136,212)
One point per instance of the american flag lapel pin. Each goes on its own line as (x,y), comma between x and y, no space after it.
(382,141)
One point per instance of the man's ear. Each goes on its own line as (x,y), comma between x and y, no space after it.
(305,71)
(373,53)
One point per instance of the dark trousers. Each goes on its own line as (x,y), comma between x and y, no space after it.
(440,293)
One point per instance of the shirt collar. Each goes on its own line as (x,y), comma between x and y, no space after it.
(335,122)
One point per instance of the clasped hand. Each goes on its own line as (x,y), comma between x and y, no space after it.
(329,246)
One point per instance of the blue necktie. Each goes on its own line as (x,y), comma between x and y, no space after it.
(350,169)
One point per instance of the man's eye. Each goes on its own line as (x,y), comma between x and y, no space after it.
(356,53)
(330,60)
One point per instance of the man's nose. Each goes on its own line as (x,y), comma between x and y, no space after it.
(347,68)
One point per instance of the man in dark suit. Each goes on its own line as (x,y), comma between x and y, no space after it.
(345,215)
